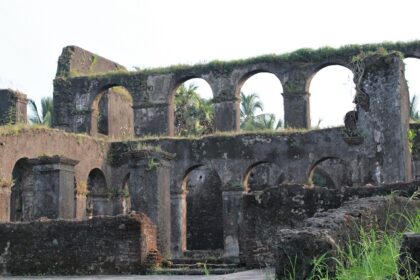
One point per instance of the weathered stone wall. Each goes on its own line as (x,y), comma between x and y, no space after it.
(287,206)
(153,90)
(12,107)
(25,143)
(75,61)
(102,245)
(328,232)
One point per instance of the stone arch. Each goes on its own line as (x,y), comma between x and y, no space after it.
(111,112)
(261,175)
(339,90)
(330,172)
(201,221)
(98,194)
(272,101)
(21,192)
(175,117)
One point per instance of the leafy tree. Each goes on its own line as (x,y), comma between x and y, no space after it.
(43,117)
(414,113)
(193,115)
(250,121)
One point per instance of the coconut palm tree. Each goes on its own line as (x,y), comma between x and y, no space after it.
(250,121)
(43,117)
(193,114)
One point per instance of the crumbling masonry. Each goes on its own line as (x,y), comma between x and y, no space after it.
(231,195)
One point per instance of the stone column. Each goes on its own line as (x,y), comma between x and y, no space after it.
(227,115)
(80,211)
(150,191)
(232,220)
(5,192)
(53,187)
(383,118)
(296,109)
(178,224)
(152,119)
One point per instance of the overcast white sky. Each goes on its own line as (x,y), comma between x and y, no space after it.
(159,33)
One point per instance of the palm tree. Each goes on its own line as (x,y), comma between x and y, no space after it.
(414,113)
(193,114)
(249,105)
(43,117)
(250,121)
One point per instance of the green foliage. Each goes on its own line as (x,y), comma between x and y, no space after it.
(43,117)
(250,121)
(152,164)
(414,113)
(374,256)
(193,114)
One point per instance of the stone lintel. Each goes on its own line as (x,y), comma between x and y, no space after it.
(51,160)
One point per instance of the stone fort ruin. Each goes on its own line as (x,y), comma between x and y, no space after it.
(110,190)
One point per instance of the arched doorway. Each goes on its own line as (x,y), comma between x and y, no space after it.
(112,113)
(204,213)
(98,198)
(330,173)
(21,192)
(261,176)
(122,201)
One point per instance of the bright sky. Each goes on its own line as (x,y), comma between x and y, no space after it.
(160,33)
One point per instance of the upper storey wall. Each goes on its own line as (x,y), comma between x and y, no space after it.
(75,61)
(153,90)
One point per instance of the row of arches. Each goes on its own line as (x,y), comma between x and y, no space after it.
(100,199)
(331,89)
(202,186)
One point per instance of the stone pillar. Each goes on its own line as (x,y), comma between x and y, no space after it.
(296,109)
(150,191)
(13,106)
(232,220)
(53,187)
(178,224)
(383,117)
(153,119)
(5,192)
(227,115)
(80,211)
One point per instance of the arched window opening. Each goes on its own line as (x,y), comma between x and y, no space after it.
(204,229)
(261,176)
(97,201)
(261,103)
(412,75)
(193,108)
(332,94)
(330,173)
(112,113)
(21,192)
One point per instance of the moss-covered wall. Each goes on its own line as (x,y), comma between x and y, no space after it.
(153,89)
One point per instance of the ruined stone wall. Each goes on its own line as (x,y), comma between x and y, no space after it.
(102,245)
(32,143)
(288,206)
(27,143)
(12,107)
(153,90)
(328,232)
